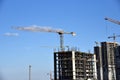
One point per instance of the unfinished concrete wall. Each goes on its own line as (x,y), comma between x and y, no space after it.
(73,65)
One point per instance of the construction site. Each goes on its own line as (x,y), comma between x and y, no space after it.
(72,64)
(103,64)
(60,40)
(108,61)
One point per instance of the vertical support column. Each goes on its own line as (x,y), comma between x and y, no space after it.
(95,69)
(100,62)
(29,72)
(55,67)
(73,65)
(61,42)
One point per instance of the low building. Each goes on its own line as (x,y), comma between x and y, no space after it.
(74,65)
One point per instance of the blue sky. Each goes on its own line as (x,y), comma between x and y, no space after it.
(84,17)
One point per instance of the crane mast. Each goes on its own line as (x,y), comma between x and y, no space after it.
(111,20)
(35,28)
(62,40)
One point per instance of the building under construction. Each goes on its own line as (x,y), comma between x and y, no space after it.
(97,50)
(117,59)
(108,61)
(74,65)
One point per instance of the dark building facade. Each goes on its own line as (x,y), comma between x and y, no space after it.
(117,60)
(97,51)
(108,61)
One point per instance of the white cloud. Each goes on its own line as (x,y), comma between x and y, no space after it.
(36,28)
(10,34)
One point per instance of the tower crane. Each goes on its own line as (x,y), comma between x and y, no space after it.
(114,37)
(35,28)
(116,22)
(97,43)
(112,20)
